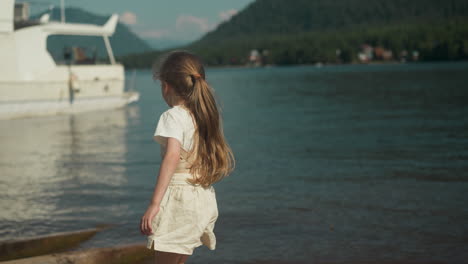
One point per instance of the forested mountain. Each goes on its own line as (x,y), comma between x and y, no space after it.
(123,41)
(311,31)
(297,16)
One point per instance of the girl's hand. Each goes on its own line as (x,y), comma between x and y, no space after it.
(145,224)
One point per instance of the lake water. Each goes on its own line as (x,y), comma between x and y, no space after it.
(337,164)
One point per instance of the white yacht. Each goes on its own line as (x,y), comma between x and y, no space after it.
(33,82)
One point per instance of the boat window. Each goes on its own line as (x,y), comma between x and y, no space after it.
(76,50)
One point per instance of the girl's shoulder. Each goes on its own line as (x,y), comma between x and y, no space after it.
(176,114)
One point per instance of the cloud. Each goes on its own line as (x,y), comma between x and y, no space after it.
(128,18)
(227,14)
(187,22)
(187,27)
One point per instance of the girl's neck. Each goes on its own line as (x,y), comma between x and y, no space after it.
(176,103)
(181,106)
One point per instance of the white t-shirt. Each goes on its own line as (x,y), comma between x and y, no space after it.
(175,122)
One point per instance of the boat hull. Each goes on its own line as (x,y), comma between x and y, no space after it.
(66,89)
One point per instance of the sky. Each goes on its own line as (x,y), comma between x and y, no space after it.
(162,20)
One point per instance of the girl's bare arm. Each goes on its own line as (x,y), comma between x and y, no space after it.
(167,168)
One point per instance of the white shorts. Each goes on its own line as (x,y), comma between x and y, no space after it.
(186,218)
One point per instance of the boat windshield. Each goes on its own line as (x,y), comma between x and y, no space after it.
(77,50)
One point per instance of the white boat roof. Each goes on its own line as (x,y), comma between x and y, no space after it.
(82,29)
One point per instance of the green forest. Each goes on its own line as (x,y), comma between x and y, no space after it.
(332,31)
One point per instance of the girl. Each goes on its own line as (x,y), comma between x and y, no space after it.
(183,208)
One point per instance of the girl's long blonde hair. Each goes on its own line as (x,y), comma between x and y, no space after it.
(185,73)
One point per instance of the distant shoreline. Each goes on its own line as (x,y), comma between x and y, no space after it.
(336,64)
(320,65)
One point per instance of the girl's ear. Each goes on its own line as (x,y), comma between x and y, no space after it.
(164,87)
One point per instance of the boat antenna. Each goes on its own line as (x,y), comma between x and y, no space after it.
(62,10)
